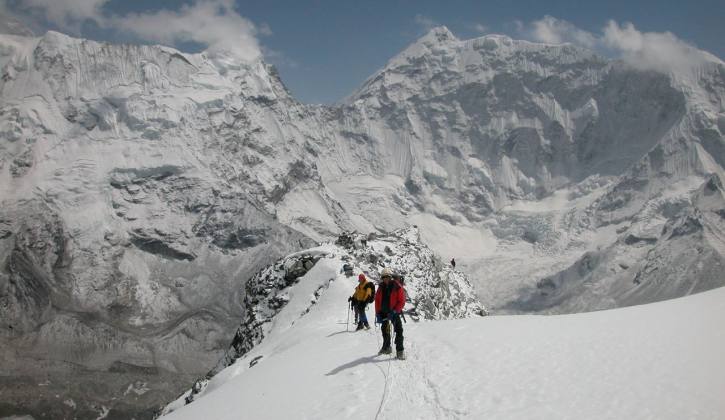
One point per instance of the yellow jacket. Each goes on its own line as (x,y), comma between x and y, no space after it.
(362,291)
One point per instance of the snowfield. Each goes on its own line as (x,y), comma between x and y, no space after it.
(655,361)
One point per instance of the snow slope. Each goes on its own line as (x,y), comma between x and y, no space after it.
(656,361)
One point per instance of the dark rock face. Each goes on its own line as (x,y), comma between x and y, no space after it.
(687,226)
(632,239)
(34,272)
(154,243)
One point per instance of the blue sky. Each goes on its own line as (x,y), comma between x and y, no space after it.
(326,49)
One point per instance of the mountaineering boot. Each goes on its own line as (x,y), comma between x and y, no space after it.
(385,350)
(400,355)
(367,326)
(359,327)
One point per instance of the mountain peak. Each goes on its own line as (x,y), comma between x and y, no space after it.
(437,37)
(436,40)
(439,34)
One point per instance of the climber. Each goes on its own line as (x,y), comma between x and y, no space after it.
(347,269)
(364,294)
(453,262)
(389,302)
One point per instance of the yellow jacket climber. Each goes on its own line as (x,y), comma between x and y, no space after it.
(363,291)
(364,294)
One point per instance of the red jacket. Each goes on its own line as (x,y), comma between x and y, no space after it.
(397,297)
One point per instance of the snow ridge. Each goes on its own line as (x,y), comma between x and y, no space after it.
(434,291)
(498,367)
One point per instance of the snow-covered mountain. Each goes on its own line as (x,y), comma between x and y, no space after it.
(130,217)
(141,187)
(531,157)
(659,361)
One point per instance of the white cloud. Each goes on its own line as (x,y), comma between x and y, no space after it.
(68,15)
(212,23)
(264,29)
(519,26)
(10,24)
(556,31)
(479,27)
(279,59)
(425,22)
(660,51)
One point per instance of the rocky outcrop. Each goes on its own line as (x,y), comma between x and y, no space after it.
(435,289)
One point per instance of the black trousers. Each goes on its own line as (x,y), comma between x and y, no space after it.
(398,327)
(360,316)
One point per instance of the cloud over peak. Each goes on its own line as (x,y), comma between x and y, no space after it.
(659,51)
(214,24)
(556,31)
(425,22)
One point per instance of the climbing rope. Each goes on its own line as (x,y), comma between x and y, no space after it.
(386,375)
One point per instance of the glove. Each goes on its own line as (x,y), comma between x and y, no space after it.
(349,299)
(379,318)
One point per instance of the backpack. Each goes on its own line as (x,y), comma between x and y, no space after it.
(371,286)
